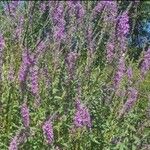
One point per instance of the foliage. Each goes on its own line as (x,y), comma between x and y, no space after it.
(58,87)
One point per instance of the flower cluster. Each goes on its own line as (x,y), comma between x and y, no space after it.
(145,65)
(48,131)
(120,72)
(2,44)
(70,63)
(122,31)
(111,11)
(19,28)
(13,144)
(34,70)
(82,116)
(11,7)
(59,22)
(123,25)
(25,115)
(18,139)
(110,47)
(80,11)
(39,51)
(98,8)
(129,73)
(132,97)
(43,6)
(24,66)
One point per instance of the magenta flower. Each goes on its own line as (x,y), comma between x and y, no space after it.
(145,65)
(129,73)
(43,6)
(22,72)
(122,31)
(119,73)
(25,115)
(34,70)
(132,97)
(111,12)
(47,77)
(70,63)
(98,8)
(2,45)
(123,25)
(110,47)
(2,42)
(11,7)
(59,22)
(24,66)
(48,131)
(82,116)
(13,144)
(41,48)
(18,139)
(19,29)
(80,11)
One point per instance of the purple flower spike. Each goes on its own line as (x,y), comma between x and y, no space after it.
(82,117)
(132,97)
(111,9)
(123,25)
(120,72)
(59,22)
(43,6)
(25,115)
(12,7)
(19,29)
(70,63)
(13,144)
(122,31)
(129,73)
(2,43)
(98,8)
(24,67)
(18,139)
(34,79)
(110,51)
(48,131)
(145,65)
(80,11)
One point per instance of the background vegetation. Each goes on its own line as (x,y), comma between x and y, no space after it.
(74,75)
